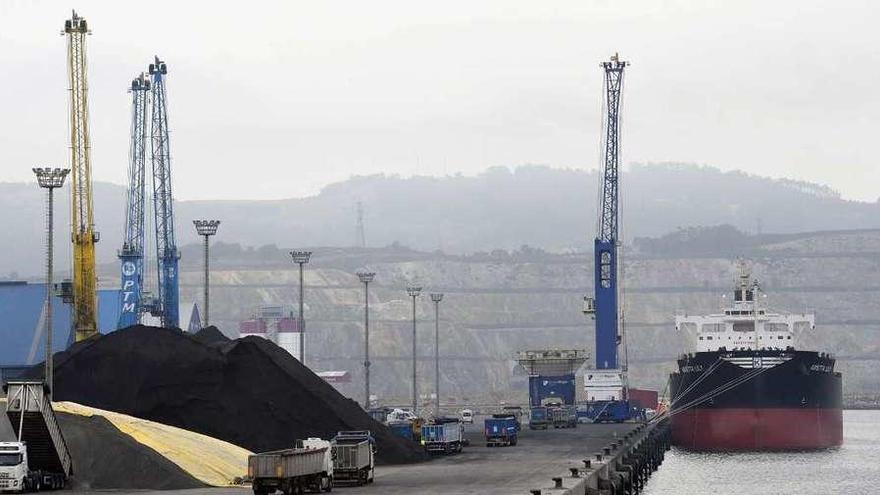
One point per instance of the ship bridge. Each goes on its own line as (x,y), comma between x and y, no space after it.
(745,324)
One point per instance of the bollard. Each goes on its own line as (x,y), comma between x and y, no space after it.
(557,482)
(607,450)
(575,473)
(586,463)
(599,456)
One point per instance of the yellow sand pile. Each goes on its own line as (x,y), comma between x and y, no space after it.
(211,461)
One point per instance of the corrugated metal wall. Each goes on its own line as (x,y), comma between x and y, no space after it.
(20,308)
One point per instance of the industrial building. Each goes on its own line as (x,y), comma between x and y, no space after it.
(276,324)
(21,304)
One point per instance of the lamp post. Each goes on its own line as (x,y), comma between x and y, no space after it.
(50,179)
(437,297)
(301,258)
(206,228)
(414,293)
(366,278)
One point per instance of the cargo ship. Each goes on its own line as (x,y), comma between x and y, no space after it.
(747,386)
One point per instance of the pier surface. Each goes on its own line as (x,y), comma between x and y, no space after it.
(539,456)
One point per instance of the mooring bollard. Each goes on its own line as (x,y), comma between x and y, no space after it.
(599,456)
(557,482)
(607,450)
(586,463)
(575,472)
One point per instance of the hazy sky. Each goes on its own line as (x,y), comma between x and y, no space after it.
(277,99)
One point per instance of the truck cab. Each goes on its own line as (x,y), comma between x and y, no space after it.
(538,418)
(14,467)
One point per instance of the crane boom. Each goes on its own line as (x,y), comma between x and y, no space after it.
(163,204)
(83,234)
(605,247)
(132,253)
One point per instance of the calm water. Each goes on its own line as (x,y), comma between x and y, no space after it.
(853,469)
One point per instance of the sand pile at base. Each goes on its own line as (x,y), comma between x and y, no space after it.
(248,392)
(105,458)
(209,460)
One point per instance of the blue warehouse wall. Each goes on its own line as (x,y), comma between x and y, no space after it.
(20,307)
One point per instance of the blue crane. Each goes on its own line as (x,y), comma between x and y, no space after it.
(605,386)
(607,235)
(163,206)
(132,253)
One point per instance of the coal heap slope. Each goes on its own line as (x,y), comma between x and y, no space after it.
(248,392)
(211,335)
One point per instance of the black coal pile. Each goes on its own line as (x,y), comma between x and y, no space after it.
(248,391)
(211,336)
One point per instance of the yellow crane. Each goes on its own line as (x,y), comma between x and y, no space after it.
(83,234)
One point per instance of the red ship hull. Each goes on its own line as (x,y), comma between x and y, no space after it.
(757,428)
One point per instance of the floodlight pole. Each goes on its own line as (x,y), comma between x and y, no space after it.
(437,297)
(50,179)
(301,258)
(206,228)
(413,292)
(366,278)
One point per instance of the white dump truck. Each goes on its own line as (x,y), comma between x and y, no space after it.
(353,457)
(39,459)
(308,467)
(445,435)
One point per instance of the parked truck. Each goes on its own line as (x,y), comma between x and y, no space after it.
(443,437)
(538,419)
(501,430)
(353,457)
(306,467)
(563,416)
(516,412)
(39,459)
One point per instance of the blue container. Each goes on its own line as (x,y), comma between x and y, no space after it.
(560,388)
(403,430)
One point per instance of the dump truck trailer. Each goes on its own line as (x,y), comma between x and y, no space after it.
(39,459)
(442,438)
(501,430)
(563,416)
(306,467)
(353,457)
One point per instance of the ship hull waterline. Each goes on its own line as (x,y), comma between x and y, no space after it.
(757,429)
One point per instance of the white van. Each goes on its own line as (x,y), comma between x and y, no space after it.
(467,416)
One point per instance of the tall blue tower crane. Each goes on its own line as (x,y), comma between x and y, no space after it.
(607,235)
(132,253)
(606,386)
(163,205)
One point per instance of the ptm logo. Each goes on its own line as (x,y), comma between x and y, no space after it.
(129,268)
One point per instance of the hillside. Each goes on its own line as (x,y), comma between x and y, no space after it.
(552,209)
(500,302)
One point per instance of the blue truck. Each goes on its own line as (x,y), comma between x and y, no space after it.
(538,418)
(609,411)
(501,430)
